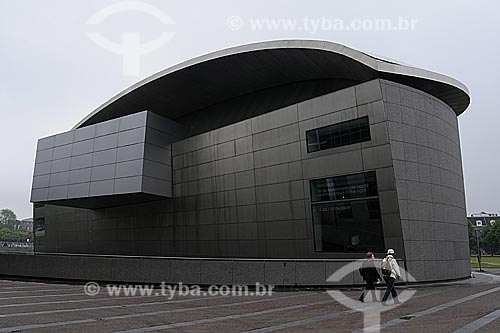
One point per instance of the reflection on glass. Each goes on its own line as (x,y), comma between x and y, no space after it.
(337,135)
(344,187)
(346,214)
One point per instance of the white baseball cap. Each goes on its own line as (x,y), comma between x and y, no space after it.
(390,251)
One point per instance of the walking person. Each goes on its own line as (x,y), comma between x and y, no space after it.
(391,272)
(370,276)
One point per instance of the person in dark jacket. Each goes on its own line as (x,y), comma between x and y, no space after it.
(370,275)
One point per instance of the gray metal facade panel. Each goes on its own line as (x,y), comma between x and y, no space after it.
(100,188)
(60,165)
(63,138)
(128,185)
(102,172)
(46,143)
(44,155)
(41,181)
(158,154)
(104,157)
(132,121)
(62,151)
(130,152)
(82,147)
(58,179)
(79,176)
(107,127)
(78,190)
(42,168)
(81,161)
(84,133)
(105,142)
(131,136)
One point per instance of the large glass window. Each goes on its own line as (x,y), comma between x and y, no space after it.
(346,214)
(337,135)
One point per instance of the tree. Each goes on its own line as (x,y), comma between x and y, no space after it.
(490,238)
(14,235)
(7,215)
(487,239)
(472,238)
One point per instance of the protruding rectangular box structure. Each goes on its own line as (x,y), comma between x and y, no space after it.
(126,159)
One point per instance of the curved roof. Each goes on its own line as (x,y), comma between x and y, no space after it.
(226,74)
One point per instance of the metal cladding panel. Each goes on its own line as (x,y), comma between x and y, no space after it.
(107,159)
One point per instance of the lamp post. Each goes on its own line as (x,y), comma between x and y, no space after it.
(477,234)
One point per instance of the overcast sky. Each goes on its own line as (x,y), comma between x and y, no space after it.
(52,74)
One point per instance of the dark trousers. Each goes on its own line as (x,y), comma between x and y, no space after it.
(370,286)
(390,289)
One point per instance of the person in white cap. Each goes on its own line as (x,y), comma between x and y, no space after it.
(391,272)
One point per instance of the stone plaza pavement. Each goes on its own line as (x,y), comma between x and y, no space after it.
(471,305)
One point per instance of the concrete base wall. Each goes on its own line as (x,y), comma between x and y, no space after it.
(203,271)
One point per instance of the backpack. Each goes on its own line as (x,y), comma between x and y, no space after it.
(386,267)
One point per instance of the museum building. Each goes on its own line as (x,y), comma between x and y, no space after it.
(292,156)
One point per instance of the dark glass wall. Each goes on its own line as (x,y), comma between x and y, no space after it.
(346,214)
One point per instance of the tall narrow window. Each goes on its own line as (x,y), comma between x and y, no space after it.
(337,135)
(39,226)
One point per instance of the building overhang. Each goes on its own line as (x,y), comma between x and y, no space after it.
(223,75)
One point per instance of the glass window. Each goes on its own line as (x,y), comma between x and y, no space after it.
(346,214)
(337,135)
(39,226)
